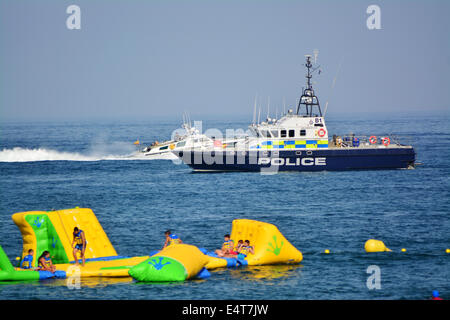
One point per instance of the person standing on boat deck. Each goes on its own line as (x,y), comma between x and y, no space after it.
(171,239)
(79,240)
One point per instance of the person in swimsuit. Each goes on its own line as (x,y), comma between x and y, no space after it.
(45,262)
(245,250)
(27,262)
(227,247)
(79,240)
(171,239)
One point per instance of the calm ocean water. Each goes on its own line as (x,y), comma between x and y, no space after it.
(137,200)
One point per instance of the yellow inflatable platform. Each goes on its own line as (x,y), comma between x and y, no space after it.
(270,246)
(53,231)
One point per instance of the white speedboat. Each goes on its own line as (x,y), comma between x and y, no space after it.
(192,139)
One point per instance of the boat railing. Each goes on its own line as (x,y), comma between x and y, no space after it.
(354,141)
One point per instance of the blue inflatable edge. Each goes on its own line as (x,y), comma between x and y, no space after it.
(59,274)
(102,259)
(231,262)
(203,274)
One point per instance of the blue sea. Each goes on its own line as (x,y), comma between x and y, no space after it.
(58,165)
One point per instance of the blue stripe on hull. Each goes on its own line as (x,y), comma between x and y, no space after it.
(317,160)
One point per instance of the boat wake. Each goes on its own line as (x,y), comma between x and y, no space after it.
(18,154)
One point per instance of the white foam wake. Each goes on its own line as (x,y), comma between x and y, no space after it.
(19,154)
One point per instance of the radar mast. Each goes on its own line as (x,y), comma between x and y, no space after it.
(308,99)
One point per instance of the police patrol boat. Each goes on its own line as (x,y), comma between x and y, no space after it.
(299,141)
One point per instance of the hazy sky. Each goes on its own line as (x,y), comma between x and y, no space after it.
(143,59)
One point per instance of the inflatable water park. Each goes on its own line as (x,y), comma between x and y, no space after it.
(52,231)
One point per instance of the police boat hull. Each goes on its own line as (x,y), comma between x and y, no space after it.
(402,157)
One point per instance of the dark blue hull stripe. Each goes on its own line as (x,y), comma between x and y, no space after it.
(295,160)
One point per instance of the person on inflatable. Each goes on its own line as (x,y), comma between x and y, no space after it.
(227,247)
(27,262)
(435,294)
(171,239)
(45,262)
(79,240)
(238,247)
(245,249)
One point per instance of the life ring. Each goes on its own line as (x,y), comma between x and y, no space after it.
(172,146)
(386,141)
(373,140)
(321,132)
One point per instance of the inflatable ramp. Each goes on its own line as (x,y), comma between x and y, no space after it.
(53,231)
(270,246)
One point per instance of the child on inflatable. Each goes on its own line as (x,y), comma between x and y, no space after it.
(245,249)
(227,247)
(79,245)
(45,262)
(171,239)
(27,262)
(238,247)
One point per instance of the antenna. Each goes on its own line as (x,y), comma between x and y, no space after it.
(284,105)
(268,106)
(259,113)
(254,109)
(316,53)
(333,85)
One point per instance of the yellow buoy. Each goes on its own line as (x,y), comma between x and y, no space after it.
(373,245)
(327,251)
(403,250)
(447,250)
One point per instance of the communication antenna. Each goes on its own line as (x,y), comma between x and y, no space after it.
(268,106)
(284,106)
(254,109)
(259,113)
(333,85)
(316,53)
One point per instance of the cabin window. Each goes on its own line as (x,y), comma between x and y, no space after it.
(265,133)
(181,144)
(274,133)
(291,133)
(283,133)
(164,148)
(302,132)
